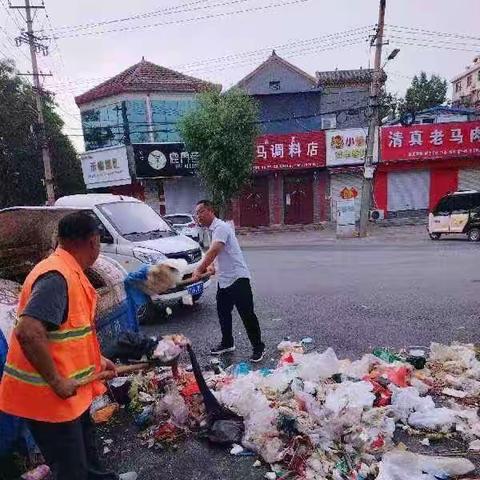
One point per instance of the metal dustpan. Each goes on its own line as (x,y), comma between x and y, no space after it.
(224,426)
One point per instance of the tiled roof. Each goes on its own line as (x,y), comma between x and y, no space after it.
(274,58)
(346,77)
(146,77)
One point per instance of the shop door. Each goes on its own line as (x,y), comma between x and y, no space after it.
(344,186)
(408,191)
(469,179)
(254,210)
(298,199)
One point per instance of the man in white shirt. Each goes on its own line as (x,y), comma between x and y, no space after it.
(234,288)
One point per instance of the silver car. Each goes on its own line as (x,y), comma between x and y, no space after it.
(185,224)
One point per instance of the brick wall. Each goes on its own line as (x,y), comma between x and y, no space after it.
(320,200)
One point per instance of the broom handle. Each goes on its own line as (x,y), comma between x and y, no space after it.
(121,370)
(189,281)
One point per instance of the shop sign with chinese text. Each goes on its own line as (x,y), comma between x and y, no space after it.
(106,167)
(291,151)
(346,147)
(432,141)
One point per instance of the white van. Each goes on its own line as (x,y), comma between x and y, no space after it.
(133,234)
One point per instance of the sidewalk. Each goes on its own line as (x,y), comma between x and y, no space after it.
(404,234)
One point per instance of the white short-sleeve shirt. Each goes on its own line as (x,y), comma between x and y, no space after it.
(230,263)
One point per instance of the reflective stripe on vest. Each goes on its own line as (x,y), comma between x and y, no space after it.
(37,380)
(66,335)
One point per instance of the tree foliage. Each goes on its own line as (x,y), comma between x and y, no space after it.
(21,165)
(424,93)
(222,129)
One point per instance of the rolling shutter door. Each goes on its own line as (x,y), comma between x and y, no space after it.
(408,190)
(340,181)
(469,179)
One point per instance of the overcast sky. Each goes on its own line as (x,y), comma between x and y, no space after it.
(437,36)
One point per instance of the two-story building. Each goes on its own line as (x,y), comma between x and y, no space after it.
(466,86)
(141,107)
(299,112)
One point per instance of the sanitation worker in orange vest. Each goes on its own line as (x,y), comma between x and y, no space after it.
(53,351)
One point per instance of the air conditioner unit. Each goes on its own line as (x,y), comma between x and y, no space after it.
(376,215)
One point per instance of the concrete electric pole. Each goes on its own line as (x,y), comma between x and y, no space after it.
(35,46)
(375,91)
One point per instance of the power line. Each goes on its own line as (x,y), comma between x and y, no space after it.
(186,20)
(12,17)
(434,33)
(165,11)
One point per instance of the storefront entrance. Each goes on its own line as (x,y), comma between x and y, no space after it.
(254,204)
(298,199)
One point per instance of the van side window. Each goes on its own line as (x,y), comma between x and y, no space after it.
(462,203)
(444,206)
(105,236)
(475,202)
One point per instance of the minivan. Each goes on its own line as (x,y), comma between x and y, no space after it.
(133,234)
(455,213)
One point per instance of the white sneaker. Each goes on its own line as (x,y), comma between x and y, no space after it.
(128,476)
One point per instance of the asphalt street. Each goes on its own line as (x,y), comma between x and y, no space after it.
(351,295)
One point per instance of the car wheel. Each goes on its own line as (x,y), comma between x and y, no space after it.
(474,234)
(435,236)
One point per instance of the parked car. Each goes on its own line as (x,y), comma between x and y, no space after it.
(185,224)
(133,234)
(456,213)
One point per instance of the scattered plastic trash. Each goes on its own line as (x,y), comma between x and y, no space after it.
(402,465)
(385,355)
(38,473)
(236,449)
(104,414)
(241,369)
(307,340)
(270,475)
(315,416)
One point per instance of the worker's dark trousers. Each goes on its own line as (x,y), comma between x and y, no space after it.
(238,295)
(70,449)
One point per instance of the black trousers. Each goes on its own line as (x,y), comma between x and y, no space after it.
(70,449)
(238,295)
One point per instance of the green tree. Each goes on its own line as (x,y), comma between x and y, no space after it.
(222,129)
(21,165)
(424,93)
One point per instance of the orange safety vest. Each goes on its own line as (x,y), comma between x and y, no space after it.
(74,348)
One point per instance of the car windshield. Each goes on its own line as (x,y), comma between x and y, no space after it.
(179,219)
(136,219)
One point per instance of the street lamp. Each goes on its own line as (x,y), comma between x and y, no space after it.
(393,54)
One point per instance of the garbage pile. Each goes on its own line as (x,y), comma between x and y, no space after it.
(315,416)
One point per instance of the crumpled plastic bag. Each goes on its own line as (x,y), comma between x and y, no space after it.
(350,395)
(402,465)
(406,401)
(314,367)
(433,419)
(175,405)
(170,347)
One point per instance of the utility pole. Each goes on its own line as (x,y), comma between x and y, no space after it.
(35,46)
(375,90)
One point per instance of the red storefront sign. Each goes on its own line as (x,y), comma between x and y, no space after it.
(432,141)
(292,151)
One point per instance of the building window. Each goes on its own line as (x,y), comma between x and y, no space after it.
(274,85)
(458,86)
(329,121)
(469,80)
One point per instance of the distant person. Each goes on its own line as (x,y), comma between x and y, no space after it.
(234,288)
(54,348)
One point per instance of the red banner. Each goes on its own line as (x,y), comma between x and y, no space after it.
(295,150)
(432,141)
